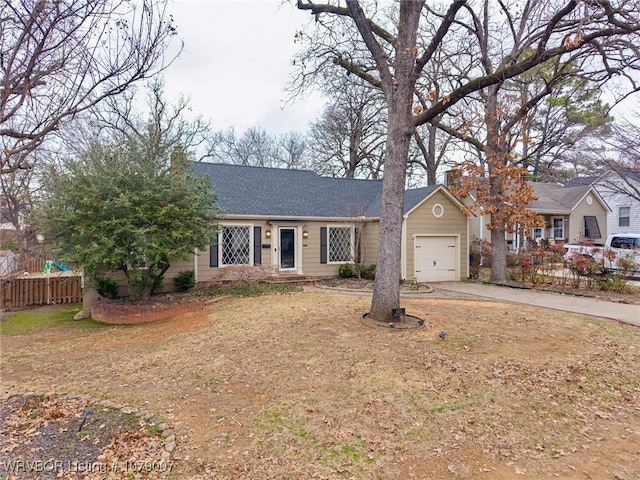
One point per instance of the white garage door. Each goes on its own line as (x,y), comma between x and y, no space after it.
(435,259)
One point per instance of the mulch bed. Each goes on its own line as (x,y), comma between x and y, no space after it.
(58,436)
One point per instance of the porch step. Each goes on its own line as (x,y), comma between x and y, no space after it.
(290,279)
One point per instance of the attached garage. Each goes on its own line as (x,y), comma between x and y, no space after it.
(435,239)
(436,258)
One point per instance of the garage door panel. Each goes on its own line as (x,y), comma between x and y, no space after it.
(435,259)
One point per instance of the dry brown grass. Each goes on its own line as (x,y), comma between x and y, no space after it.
(297,386)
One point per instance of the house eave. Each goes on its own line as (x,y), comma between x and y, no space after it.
(294,219)
(551,212)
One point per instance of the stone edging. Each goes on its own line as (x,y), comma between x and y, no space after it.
(166,433)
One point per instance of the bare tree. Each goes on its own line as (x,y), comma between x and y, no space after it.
(60,58)
(506,113)
(255,147)
(387,53)
(558,130)
(163,125)
(348,139)
(625,143)
(16,200)
(258,148)
(292,150)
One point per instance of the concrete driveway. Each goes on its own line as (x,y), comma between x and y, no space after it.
(569,303)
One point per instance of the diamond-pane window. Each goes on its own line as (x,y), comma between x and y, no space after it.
(340,244)
(235,246)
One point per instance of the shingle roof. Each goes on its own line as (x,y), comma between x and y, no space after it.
(277,192)
(555,198)
(580,181)
(628,174)
(411,198)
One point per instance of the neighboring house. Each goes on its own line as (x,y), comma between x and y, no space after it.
(570,214)
(624,216)
(295,222)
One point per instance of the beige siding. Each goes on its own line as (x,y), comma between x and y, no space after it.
(311,253)
(422,221)
(576,220)
(311,247)
(369,243)
(174,269)
(312,265)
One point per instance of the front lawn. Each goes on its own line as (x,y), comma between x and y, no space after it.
(295,385)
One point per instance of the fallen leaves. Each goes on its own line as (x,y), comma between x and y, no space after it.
(65,436)
(266,388)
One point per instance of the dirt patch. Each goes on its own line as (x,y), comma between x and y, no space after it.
(296,386)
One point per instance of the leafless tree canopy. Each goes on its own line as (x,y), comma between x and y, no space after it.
(60,58)
(347,140)
(163,125)
(258,148)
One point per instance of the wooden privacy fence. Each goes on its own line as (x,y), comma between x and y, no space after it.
(26,292)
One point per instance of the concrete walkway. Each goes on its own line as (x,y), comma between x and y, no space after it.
(568,303)
(555,301)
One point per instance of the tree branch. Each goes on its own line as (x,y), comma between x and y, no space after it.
(439,35)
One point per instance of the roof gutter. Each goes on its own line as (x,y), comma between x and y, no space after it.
(290,219)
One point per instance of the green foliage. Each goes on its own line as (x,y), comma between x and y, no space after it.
(106,287)
(119,207)
(185,280)
(345,270)
(368,272)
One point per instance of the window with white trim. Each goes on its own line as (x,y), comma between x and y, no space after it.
(340,244)
(624,216)
(235,245)
(558,227)
(537,233)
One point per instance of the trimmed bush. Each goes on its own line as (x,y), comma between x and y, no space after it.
(185,280)
(106,287)
(345,270)
(368,272)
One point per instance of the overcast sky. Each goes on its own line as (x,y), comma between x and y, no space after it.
(236,63)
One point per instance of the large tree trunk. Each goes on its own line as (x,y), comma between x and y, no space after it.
(499,272)
(386,288)
(398,87)
(496,156)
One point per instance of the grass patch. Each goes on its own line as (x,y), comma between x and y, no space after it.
(30,321)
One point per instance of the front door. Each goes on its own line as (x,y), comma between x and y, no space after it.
(287,248)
